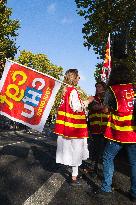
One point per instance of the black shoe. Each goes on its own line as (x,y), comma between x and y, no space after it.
(102,194)
(132,198)
(93,174)
(75,183)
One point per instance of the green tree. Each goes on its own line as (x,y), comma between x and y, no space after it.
(40,62)
(82,93)
(98,72)
(104,17)
(8,34)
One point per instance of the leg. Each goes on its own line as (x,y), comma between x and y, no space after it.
(59,151)
(132,160)
(111,150)
(100,145)
(77,151)
(74,172)
(75,181)
(95,151)
(64,151)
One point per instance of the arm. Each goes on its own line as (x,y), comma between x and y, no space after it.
(96,106)
(76,104)
(109,100)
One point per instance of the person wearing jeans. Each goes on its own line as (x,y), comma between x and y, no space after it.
(120,129)
(111,150)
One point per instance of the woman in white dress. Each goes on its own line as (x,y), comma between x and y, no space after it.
(71,126)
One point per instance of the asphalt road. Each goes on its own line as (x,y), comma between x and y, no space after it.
(30,176)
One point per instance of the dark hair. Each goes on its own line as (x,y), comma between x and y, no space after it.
(120,74)
(101,83)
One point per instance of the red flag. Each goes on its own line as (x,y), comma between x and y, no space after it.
(106,69)
(26,95)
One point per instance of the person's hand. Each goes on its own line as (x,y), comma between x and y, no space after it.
(90,99)
(105,109)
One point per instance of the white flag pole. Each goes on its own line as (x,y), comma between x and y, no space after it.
(43,74)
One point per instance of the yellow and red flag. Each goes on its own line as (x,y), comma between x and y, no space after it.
(26,95)
(106,69)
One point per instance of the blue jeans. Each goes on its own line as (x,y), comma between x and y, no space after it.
(111,150)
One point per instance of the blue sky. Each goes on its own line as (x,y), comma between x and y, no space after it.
(52,27)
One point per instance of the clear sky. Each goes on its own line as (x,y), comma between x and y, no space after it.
(54,28)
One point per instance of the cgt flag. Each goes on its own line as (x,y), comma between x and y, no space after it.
(106,69)
(26,95)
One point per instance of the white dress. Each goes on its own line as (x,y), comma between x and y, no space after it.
(72,151)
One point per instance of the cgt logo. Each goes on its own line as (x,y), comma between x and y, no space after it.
(130,97)
(30,97)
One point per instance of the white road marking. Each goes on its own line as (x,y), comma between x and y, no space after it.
(20,142)
(47,191)
(10,144)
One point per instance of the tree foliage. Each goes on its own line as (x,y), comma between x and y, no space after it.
(8,34)
(82,93)
(98,72)
(40,62)
(104,17)
(115,17)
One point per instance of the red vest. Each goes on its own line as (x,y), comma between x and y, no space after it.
(69,123)
(97,119)
(121,126)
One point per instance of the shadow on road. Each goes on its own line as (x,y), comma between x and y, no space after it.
(4,199)
(15,150)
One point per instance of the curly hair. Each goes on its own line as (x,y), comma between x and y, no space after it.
(71,76)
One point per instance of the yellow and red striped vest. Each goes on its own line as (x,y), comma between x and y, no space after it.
(97,119)
(70,124)
(121,126)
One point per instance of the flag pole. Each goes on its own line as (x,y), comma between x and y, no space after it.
(109,63)
(60,81)
(109,51)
